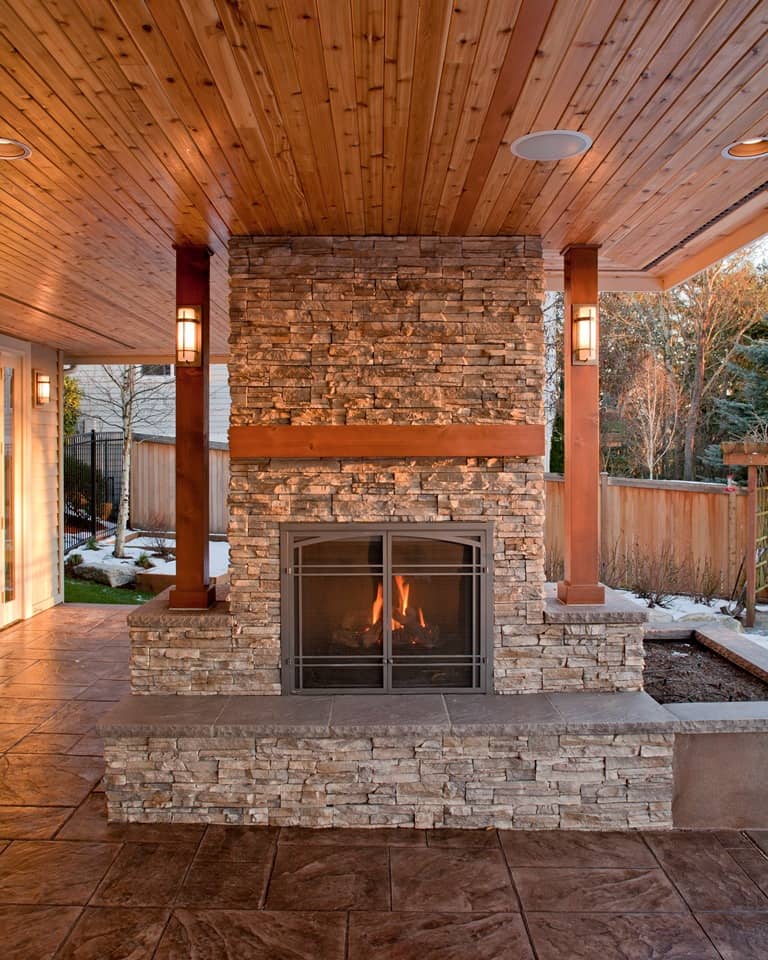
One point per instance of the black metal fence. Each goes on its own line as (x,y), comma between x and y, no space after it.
(93,467)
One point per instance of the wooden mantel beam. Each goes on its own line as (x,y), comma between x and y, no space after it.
(372,441)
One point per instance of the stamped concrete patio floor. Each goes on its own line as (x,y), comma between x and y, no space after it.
(72,886)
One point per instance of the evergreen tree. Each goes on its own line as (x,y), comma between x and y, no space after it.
(745,403)
(71,405)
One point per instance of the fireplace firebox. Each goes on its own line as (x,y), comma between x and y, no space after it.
(386,608)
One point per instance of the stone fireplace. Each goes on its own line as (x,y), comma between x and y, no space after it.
(387,572)
(389,331)
(437,343)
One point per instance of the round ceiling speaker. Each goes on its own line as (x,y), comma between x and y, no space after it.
(13,149)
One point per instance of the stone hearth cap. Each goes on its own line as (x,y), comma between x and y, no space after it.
(616,609)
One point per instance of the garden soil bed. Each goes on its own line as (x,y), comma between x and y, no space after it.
(688,672)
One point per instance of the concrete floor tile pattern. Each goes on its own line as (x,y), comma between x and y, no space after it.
(31,931)
(451,880)
(438,936)
(321,877)
(659,936)
(73,886)
(253,935)
(705,873)
(145,875)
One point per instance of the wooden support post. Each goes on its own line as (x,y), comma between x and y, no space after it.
(751,544)
(582,442)
(193,590)
(733,533)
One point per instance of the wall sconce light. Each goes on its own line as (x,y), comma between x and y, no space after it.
(188,339)
(584,334)
(42,387)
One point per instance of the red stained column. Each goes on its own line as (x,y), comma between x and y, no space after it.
(193,589)
(582,444)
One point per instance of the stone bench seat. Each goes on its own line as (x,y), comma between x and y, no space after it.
(529,761)
(371,715)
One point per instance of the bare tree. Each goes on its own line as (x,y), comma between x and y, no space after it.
(651,404)
(695,330)
(124,399)
(714,310)
(553,333)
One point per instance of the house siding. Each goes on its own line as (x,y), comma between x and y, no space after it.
(158,415)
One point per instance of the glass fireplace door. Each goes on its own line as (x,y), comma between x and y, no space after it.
(389,608)
(435,622)
(337,612)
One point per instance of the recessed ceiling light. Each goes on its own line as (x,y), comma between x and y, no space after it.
(747,149)
(548,145)
(13,149)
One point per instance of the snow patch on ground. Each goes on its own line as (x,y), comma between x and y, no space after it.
(681,608)
(218,555)
(677,607)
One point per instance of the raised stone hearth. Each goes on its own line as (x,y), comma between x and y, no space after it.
(601,761)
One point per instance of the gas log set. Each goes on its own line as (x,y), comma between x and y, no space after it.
(407,623)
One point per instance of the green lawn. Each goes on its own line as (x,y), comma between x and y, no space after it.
(85,591)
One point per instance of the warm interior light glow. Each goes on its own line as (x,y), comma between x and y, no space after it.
(747,149)
(584,333)
(188,336)
(42,385)
(401,617)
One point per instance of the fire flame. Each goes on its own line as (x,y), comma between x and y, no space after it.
(403,597)
(378,605)
(404,590)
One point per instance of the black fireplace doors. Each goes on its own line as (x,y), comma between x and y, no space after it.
(385,608)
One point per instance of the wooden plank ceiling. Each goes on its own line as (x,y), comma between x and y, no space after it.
(155,122)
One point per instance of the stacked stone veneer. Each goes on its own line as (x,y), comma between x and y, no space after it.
(539,781)
(580,648)
(386,330)
(574,649)
(175,651)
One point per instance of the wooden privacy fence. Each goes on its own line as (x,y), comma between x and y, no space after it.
(701,526)
(153,485)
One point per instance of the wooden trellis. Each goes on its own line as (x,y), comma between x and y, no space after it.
(753,456)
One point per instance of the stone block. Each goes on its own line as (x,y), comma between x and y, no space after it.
(111,574)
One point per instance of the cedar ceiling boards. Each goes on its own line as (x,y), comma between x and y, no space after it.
(172,121)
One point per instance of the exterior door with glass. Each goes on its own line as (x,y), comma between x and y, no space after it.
(10,383)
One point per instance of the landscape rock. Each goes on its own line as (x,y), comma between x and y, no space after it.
(730,623)
(112,574)
(659,615)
